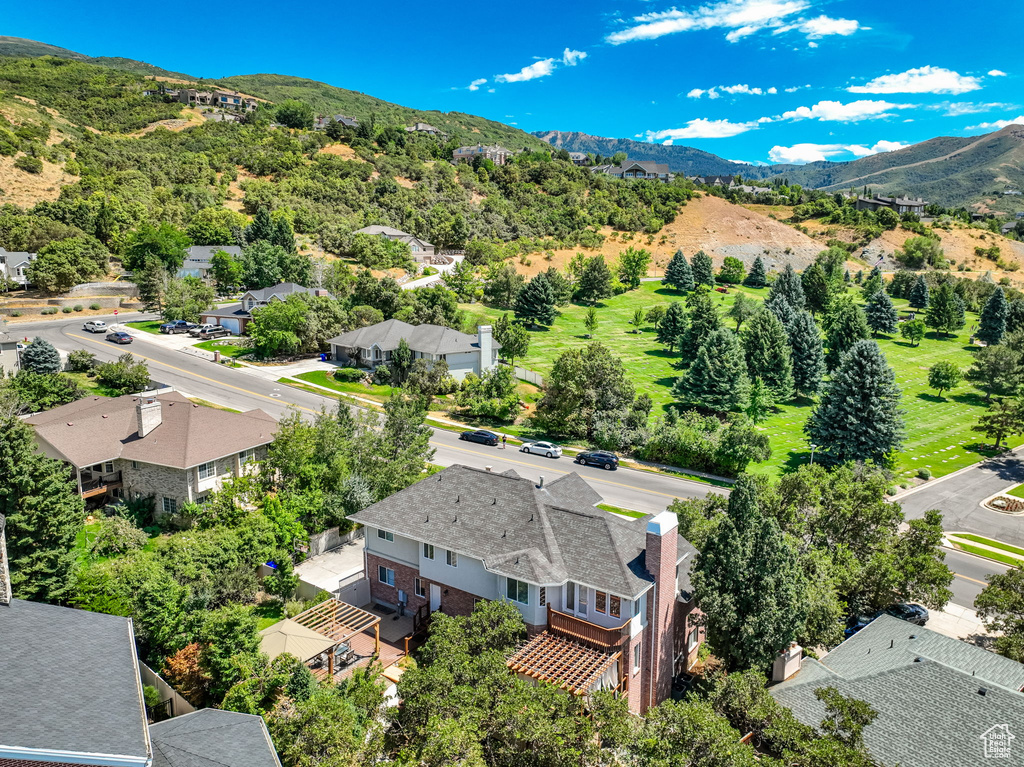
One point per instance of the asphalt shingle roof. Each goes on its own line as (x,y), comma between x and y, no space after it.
(280,290)
(69,681)
(213,738)
(426,339)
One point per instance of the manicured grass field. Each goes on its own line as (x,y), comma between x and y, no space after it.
(1006,560)
(1016,492)
(322,378)
(226,348)
(620,510)
(990,542)
(146,326)
(93,386)
(268,613)
(939,434)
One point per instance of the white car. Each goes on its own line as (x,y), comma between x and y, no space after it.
(95,326)
(542,448)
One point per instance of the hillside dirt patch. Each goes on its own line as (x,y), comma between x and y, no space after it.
(26,189)
(341,150)
(237,194)
(189,116)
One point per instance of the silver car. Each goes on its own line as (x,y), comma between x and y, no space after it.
(542,448)
(95,326)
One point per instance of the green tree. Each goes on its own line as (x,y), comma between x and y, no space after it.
(261,228)
(165,243)
(40,356)
(919,294)
(945,310)
(767,351)
(919,252)
(215,226)
(789,288)
(1001,606)
(678,274)
(503,285)
(880,313)
(633,263)
(756,277)
(295,114)
(742,309)
(858,418)
(913,331)
(872,284)
(126,376)
(187,299)
(462,280)
(845,325)
(152,279)
(1005,418)
(703,269)
(515,342)
(762,401)
(42,391)
(590,321)
(996,371)
(261,264)
(44,514)
(401,362)
(1015,316)
(226,271)
(944,376)
(655,315)
(992,326)
(274,329)
(816,288)
(535,303)
(807,354)
(702,320)
(749,585)
(638,320)
(62,264)
(717,380)
(672,325)
(732,271)
(230,644)
(561,285)
(595,281)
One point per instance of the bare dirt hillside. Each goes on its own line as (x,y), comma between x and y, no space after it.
(26,189)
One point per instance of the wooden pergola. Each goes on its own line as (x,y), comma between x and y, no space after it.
(340,622)
(562,662)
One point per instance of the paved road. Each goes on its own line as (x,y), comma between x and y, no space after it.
(971,572)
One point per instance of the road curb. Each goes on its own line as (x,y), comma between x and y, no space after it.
(937,480)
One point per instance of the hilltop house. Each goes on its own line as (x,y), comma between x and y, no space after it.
(425,128)
(499,155)
(14,266)
(198,258)
(947,693)
(224,99)
(164,446)
(421,249)
(321,122)
(235,317)
(579,158)
(636,169)
(372,346)
(606,598)
(900,205)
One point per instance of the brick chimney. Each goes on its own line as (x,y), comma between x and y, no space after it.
(662,552)
(5,574)
(148,415)
(483,336)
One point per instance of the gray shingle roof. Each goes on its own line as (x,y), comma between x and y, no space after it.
(542,535)
(200,255)
(426,339)
(213,738)
(375,229)
(69,681)
(281,289)
(927,686)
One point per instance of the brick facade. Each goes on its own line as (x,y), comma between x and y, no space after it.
(662,551)
(405,579)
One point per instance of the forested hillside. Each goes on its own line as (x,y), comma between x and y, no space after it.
(20,47)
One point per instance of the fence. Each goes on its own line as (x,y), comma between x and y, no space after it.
(331,539)
(530,376)
(178,705)
(105,289)
(354,590)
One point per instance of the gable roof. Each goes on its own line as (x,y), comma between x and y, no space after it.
(392,234)
(205,252)
(426,339)
(919,681)
(213,738)
(281,289)
(520,530)
(69,681)
(96,429)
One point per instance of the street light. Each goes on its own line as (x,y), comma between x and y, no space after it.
(813,447)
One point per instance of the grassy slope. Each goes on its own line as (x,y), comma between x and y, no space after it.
(939,435)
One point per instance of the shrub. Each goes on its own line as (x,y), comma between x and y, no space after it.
(291,609)
(117,536)
(924,473)
(29,164)
(151,694)
(349,375)
(66,309)
(81,361)
(95,307)
(78,307)
(15,314)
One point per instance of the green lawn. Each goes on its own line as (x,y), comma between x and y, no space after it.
(225,347)
(323,378)
(620,510)
(1006,560)
(939,435)
(93,386)
(990,542)
(146,326)
(268,613)
(1016,492)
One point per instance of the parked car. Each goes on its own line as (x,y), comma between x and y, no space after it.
(194,332)
(542,448)
(600,458)
(119,337)
(213,331)
(482,436)
(912,613)
(178,326)
(95,326)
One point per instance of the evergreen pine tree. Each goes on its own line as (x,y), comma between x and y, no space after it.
(678,274)
(992,326)
(845,325)
(703,271)
(780,307)
(1015,316)
(261,228)
(283,235)
(756,278)
(858,418)
(41,357)
(717,380)
(945,310)
(595,281)
(846,276)
(919,294)
(873,283)
(44,514)
(702,319)
(816,288)
(808,356)
(535,303)
(766,348)
(789,288)
(672,325)
(881,315)
(860,276)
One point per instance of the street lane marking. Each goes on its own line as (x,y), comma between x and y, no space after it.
(972,580)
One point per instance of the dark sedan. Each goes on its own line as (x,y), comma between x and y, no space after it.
(482,436)
(119,337)
(601,458)
(915,614)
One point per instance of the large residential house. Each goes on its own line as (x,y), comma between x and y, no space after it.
(582,159)
(235,317)
(636,169)
(499,155)
(940,701)
(421,249)
(900,205)
(373,346)
(14,266)
(321,122)
(198,258)
(10,361)
(606,598)
(425,128)
(163,446)
(223,99)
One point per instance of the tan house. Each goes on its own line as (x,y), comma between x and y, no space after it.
(421,249)
(499,155)
(165,446)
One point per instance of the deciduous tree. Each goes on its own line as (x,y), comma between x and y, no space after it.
(633,263)
(595,281)
(943,376)
(913,331)
(1001,606)
(1005,418)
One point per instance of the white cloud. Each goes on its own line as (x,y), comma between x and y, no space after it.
(996,73)
(696,93)
(958,108)
(836,111)
(773,90)
(541,68)
(804,153)
(998,124)
(742,18)
(703,128)
(475,85)
(716,90)
(920,80)
(571,58)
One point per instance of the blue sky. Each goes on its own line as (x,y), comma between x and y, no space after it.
(752,80)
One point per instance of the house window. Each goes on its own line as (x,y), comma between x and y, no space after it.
(600,601)
(135,464)
(517,591)
(108,467)
(615,607)
(247,455)
(428,551)
(207,470)
(384,535)
(421,590)
(570,596)
(636,658)
(692,638)
(386,575)
(452,558)
(543,598)
(170,506)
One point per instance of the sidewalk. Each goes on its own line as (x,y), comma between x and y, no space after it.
(957,622)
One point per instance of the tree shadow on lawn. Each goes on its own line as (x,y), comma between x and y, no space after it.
(666,291)
(662,353)
(795,459)
(668,381)
(931,397)
(973,398)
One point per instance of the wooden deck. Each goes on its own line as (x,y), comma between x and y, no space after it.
(363,646)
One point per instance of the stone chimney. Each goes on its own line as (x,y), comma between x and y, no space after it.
(5,574)
(483,337)
(148,415)
(662,552)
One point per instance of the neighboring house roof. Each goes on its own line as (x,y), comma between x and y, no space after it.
(200,256)
(654,168)
(229,311)
(287,636)
(919,681)
(423,127)
(426,339)
(281,290)
(213,738)
(97,429)
(520,530)
(69,681)
(392,234)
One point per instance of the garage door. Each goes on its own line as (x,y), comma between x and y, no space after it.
(231,325)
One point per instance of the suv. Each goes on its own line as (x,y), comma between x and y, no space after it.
(213,331)
(600,458)
(178,326)
(195,331)
(95,326)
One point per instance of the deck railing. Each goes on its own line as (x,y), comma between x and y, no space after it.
(97,484)
(590,634)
